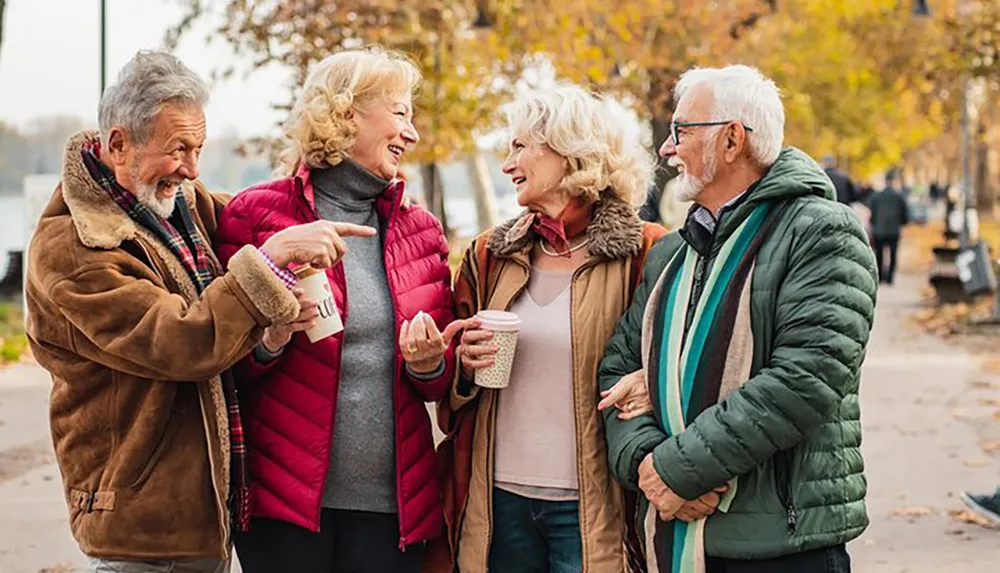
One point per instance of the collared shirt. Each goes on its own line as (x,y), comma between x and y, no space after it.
(707,219)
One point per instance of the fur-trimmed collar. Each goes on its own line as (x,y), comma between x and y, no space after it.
(99,221)
(615,232)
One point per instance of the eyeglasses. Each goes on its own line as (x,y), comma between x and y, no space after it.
(675,132)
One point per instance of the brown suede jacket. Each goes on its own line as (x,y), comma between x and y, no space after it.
(137,414)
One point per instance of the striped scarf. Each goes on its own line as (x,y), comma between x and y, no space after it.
(187,244)
(693,366)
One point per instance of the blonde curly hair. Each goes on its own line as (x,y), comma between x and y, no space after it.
(597,137)
(320,130)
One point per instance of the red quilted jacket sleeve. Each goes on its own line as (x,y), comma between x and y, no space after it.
(441,309)
(234,231)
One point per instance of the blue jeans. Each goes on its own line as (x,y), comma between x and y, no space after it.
(535,536)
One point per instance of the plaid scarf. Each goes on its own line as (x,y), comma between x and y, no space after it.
(188,246)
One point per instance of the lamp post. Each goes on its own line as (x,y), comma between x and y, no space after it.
(966,153)
(104,25)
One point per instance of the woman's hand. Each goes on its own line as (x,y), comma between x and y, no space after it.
(277,336)
(703,506)
(476,351)
(629,395)
(423,345)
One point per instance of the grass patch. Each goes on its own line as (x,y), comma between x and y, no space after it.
(13,341)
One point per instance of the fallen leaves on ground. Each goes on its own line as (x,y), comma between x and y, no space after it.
(949,319)
(992,366)
(943,320)
(990,447)
(915,511)
(58,568)
(968,516)
(977,463)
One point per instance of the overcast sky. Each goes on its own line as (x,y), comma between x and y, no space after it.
(50,62)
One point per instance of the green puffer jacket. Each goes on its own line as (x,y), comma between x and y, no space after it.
(792,432)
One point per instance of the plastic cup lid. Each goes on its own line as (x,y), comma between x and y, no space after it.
(499,320)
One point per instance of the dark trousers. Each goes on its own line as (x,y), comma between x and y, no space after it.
(347,542)
(828,560)
(882,244)
(535,536)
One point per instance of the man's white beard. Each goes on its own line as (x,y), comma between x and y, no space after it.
(688,187)
(146,194)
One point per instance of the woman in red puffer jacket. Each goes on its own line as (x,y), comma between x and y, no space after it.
(340,446)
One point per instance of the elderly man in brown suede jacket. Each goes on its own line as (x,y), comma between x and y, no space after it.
(138,324)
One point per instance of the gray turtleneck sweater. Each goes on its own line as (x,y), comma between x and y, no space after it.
(362,472)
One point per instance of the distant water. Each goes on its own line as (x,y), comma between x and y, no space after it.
(461,217)
(12,227)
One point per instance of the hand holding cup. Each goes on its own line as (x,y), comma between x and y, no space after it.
(488,353)
(277,336)
(476,350)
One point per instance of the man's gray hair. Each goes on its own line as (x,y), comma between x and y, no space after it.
(150,80)
(743,94)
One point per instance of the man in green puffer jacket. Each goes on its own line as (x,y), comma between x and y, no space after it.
(766,366)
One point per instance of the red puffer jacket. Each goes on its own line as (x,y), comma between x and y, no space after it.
(290,403)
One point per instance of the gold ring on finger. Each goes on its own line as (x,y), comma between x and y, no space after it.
(411,348)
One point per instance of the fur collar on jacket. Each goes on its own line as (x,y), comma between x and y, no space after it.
(615,232)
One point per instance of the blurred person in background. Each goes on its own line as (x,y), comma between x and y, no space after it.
(889,214)
(846,192)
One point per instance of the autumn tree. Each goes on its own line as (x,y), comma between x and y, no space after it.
(636,49)
(461,90)
(865,80)
(855,75)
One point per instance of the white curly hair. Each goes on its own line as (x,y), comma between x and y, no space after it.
(599,139)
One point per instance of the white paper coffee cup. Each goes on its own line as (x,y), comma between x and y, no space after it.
(505,327)
(317,287)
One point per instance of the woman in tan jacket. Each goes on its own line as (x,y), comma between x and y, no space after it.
(528,487)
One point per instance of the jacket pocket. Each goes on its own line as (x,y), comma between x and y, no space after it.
(147,469)
(783,484)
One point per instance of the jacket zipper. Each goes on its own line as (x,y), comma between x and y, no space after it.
(311,210)
(395,366)
(699,283)
(784,486)
(491,433)
(581,503)
(226,515)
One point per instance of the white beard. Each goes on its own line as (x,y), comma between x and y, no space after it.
(146,195)
(687,188)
